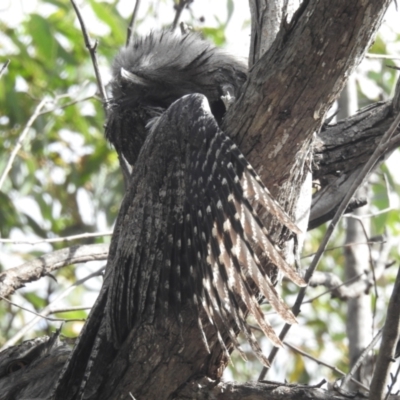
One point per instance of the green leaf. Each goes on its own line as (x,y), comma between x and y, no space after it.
(43,39)
(108,14)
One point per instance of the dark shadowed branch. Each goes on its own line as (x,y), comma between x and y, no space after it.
(179,8)
(92,50)
(4,67)
(390,337)
(131,25)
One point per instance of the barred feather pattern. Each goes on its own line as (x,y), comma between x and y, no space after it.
(190,233)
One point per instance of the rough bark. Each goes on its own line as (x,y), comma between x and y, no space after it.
(266,19)
(342,149)
(265,391)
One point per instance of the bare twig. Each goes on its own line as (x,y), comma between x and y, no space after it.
(343,246)
(21,138)
(39,315)
(373,160)
(179,8)
(4,67)
(361,358)
(48,309)
(334,288)
(71,103)
(390,336)
(381,56)
(15,278)
(58,239)
(371,259)
(318,361)
(132,23)
(56,310)
(92,50)
(394,380)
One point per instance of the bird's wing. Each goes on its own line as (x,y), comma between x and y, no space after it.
(191,233)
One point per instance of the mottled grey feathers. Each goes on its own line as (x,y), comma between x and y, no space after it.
(154,71)
(188,233)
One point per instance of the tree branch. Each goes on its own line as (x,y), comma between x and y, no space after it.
(380,150)
(179,8)
(342,149)
(92,50)
(15,278)
(21,138)
(131,25)
(4,67)
(262,391)
(390,336)
(49,309)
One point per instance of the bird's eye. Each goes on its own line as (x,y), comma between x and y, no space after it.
(16,366)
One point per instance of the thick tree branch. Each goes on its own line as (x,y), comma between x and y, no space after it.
(284,101)
(345,147)
(264,391)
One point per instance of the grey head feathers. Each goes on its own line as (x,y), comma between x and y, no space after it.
(158,69)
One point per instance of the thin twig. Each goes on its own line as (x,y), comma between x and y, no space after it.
(21,138)
(394,380)
(92,50)
(68,309)
(354,278)
(390,337)
(375,157)
(381,56)
(360,359)
(48,308)
(131,25)
(179,8)
(39,315)
(343,246)
(318,361)
(58,239)
(371,260)
(4,67)
(38,112)
(71,103)
(15,278)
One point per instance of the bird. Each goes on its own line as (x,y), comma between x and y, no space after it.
(31,369)
(188,233)
(165,117)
